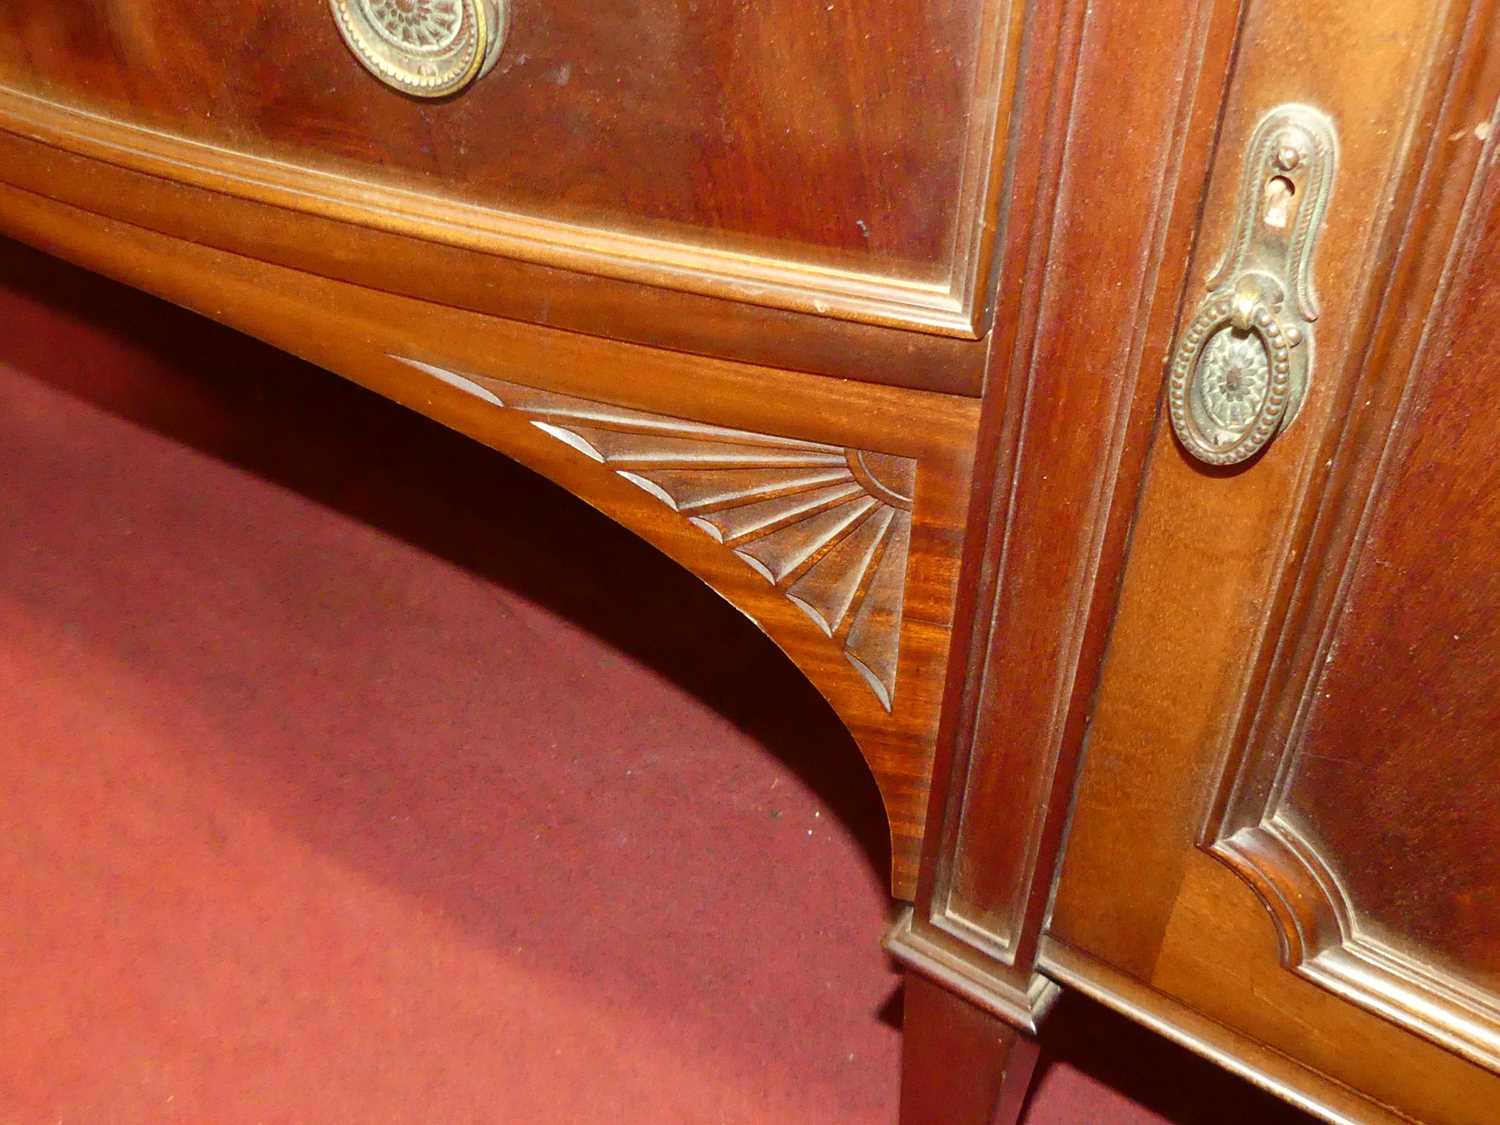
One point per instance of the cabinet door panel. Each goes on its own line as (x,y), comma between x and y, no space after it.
(1289,812)
(1368,807)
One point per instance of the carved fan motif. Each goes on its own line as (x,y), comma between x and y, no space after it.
(828,527)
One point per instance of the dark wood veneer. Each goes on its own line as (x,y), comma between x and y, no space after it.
(658,116)
(379,334)
(1367,811)
(860,312)
(1277,725)
(709,147)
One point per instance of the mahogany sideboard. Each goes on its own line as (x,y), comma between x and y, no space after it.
(1094,400)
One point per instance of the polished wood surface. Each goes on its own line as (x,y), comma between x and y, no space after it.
(429,247)
(492,379)
(942,1037)
(1289,786)
(723,121)
(405,261)
(712,148)
(1366,803)
(1055,499)
(929,460)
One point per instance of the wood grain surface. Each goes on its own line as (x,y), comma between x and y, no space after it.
(773,138)
(858,312)
(1283,668)
(372,337)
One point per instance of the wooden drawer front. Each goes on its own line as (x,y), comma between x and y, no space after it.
(827,156)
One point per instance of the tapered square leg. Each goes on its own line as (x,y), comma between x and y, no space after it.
(960,1065)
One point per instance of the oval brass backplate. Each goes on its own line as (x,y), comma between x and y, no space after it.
(1240,371)
(427,48)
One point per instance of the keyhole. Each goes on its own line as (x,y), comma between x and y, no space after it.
(1279,193)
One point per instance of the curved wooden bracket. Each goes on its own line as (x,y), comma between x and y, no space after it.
(830,528)
(829,512)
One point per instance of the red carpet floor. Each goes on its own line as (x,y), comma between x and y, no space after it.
(344,780)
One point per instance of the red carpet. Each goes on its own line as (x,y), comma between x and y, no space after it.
(344,781)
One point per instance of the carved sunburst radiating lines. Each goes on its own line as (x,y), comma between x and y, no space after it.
(828,527)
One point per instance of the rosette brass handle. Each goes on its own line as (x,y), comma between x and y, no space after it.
(427,48)
(1240,372)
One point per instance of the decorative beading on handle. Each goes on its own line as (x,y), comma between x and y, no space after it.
(427,48)
(1240,371)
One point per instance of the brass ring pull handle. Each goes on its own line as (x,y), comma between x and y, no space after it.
(427,48)
(1240,372)
(1231,381)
